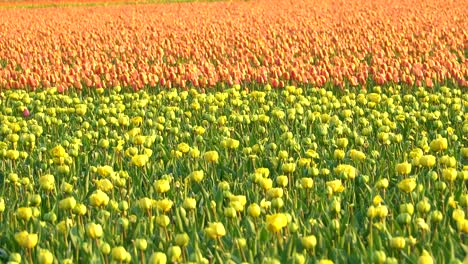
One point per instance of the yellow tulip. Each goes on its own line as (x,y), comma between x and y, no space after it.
(398,242)
(211,156)
(26,240)
(94,231)
(45,257)
(276,222)
(157,258)
(403,168)
(407,185)
(215,230)
(140,160)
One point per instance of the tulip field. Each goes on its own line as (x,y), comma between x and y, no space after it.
(234,132)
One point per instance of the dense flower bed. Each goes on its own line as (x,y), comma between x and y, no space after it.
(275,176)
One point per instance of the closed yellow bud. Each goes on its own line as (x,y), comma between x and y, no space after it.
(120,254)
(449,174)
(439,144)
(254,210)
(99,198)
(357,155)
(183,147)
(282,180)
(190,204)
(45,257)
(164,205)
(140,160)
(157,258)
(47,182)
(67,203)
(427,161)
(182,240)
(26,240)
(161,186)
(288,168)
(307,183)
(398,242)
(211,156)
(403,168)
(425,258)
(407,185)
(141,244)
(215,230)
(197,176)
(163,220)
(276,222)
(24,213)
(309,242)
(94,231)
(145,203)
(174,253)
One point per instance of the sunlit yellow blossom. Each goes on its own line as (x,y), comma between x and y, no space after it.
(145,203)
(99,198)
(377,200)
(254,210)
(164,205)
(174,253)
(398,242)
(163,220)
(215,230)
(336,186)
(462,225)
(403,168)
(263,172)
(427,161)
(58,152)
(382,183)
(449,174)
(288,167)
(458,215)
(357,155)
(161,186)
(266,183)
(24,213)
(94,231)
(105,171)
(307,183)
(342,143)
(407,185)
(190,203)
(197,176)
(282,180)
(276,222)
(140,160)
(104,185)
(26,240)
(183,147)
(309,242)
(347,171)
(157,258)
(211,156)
(119,254)
(45,257)
(47,182)
(67,203)
(439,144)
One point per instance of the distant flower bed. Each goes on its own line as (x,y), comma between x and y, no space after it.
(353,43)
